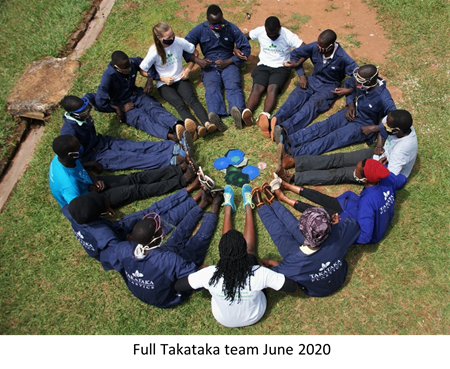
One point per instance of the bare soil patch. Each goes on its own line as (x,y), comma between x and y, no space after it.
(353,21)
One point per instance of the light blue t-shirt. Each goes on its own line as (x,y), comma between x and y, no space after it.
(68,183)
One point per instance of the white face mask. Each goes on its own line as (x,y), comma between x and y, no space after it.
(359,180)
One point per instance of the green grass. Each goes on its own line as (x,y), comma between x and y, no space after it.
(48,285)
(31,31)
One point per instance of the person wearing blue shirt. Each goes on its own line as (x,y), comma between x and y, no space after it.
(68,179)
(313,248)
(315,94)
(95,232)
(118,93)
(373,208)
(150,267)
(367,105)
(220,67)
(113,153)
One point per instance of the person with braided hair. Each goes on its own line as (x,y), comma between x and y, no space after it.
(237,281)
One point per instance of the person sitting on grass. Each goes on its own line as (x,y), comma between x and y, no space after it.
(173,84)
(236,283)
(315,94)
(270,74)
(118,93)
(95,232)
(150,267)
(373,208)
(313,248)
(68,179)
(399,153)
(220,67)
(113,153)
(369,102)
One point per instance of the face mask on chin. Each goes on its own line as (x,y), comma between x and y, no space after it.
(217,27)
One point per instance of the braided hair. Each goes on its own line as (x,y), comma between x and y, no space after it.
(235,265)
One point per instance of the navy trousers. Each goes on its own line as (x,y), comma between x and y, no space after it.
(282,227)
(330,134)
(192,248)
(148,115)
(303,106)
(119,154)
(229,78)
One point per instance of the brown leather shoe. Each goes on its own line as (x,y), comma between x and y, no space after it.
(284,174)
(257,197)
(266,190)
(284,159)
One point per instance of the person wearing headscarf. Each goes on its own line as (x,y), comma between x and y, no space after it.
(313,248)
(373,208)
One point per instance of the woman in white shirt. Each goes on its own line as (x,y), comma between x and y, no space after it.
(236,283)
(173,84)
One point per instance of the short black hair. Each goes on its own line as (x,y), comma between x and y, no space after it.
(213,9)
(71,103)
(272,23)
(61,145)
(402,119)
(143,231)
(118,57)
(84,209)
(328,36)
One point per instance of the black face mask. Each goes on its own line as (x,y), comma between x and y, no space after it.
(273,37)
(169,42)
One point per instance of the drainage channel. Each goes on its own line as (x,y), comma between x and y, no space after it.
(18,164)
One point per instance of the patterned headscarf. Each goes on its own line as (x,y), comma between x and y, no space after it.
(315,225)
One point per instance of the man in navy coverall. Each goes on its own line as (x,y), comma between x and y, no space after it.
(118,93)
(150,268)
(315,94)
(220,67)
(367,105)
(111,152)
(95,233)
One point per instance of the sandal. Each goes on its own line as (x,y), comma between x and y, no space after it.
(266,190)
(205,180)
(257,197)
(191,163)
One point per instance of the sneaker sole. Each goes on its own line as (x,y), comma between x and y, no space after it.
(202,131)
(277,135)
(215,119)
(237,117)
(190,125)
(190,144)
(247,117)
(179,130)
(264,126)
(211,128)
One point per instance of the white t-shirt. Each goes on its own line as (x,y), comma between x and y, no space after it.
(174,59)
(275,53)
(401,153)
(253,302)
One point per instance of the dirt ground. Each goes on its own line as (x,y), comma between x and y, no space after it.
(348,18)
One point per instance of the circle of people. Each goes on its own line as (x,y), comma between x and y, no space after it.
(154,249)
